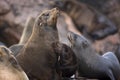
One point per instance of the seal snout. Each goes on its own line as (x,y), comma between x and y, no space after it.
(56,10)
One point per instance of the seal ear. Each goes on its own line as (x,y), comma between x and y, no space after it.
(16,48)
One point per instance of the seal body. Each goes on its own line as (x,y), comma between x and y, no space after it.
(89,62)
(9,67)
(37,57)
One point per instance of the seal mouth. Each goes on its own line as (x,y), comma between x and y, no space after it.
(54,13)
(48,18)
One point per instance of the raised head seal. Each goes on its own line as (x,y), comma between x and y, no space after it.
(37,57)
(9,67)
(92,65)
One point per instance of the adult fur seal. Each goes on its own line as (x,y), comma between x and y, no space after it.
(67,60)
(25,36)
(87,19)
(37,57)
(9,67)
(92,65)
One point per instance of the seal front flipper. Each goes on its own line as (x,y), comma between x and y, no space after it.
(16,48)
(27,30)
(111,56)
(114,61)
(25,36)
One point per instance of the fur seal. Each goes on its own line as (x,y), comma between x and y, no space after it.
(67,63)
(25,36)
(87,19)
(9,67)
(37,57)
(92,65)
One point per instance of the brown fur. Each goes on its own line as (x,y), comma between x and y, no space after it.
(37,58)
(87,19)
(9,67)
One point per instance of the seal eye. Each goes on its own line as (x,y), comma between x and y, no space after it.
(47,14)
(75,37)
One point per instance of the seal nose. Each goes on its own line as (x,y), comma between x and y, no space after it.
(56,11)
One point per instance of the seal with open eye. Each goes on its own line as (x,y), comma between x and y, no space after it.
(92,65)
(9,67)
(37,58)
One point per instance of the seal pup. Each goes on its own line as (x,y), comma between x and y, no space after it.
(25,36)
(67,62)
(95,24)
(37,57)
(92,65)
(9,67)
